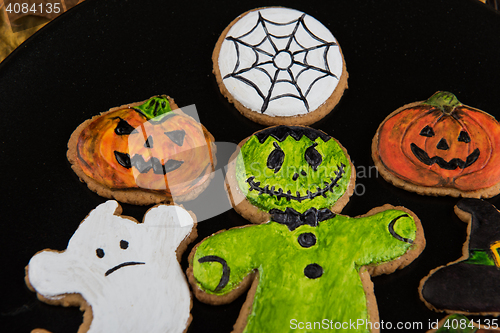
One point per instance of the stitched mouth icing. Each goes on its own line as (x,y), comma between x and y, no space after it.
(298,197)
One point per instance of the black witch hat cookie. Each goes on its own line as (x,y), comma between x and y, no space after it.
(470,285)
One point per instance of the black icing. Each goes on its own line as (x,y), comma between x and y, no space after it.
(442,144)
(225,270)
(313,271)
(117,267)
(289,196)
(307,239)
(464,137)
(123,159)
(149,142)
(312,157)
(454,163)
(100,253)
(427,131)
(177,137)
(281,132)
(154,163)
(123,244)
(468,286)
(276,158)
(123,128)
(395,234)
(267,96)
(293,219)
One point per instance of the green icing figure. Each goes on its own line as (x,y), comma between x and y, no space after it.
(306,274)
(309,268)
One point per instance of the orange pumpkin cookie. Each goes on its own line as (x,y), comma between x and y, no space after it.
(143,153)
(440,147)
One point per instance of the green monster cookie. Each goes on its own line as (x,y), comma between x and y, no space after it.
(289,169)
(304,271)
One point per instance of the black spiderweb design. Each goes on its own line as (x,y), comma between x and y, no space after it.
(268,48)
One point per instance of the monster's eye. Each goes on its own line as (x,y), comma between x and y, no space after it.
(313,157)
(275,159)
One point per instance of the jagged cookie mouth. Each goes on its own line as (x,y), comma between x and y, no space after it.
(298,197)
(454,163)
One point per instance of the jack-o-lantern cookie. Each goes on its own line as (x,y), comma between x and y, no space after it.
(305,271)
(289,170)
(469,285)
(144,153)
(124,275)
(440,147)
(280,66)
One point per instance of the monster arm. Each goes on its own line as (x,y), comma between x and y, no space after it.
(225,263)
(392,233)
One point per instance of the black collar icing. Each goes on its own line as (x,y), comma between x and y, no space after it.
(293,219)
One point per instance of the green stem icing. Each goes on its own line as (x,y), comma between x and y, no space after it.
(154,107)
(443,100)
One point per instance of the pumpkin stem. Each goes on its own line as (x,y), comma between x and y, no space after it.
(444,100)
(154,107)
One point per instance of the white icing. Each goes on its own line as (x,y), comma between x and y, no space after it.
(150,295)
(266,66)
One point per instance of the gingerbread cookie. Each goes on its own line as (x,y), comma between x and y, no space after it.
(289,170)
(144,153)
(304,271)
(124,275)
(280,66)
(470,284)
(440,147)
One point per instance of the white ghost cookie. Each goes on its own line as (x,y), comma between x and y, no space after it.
(124,275)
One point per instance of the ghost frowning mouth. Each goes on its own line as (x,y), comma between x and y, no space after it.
(117,267)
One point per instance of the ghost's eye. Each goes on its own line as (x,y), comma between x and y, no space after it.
(99,252)
(313,157)
(124,244)
(275,159)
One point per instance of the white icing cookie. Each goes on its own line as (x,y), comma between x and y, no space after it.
(280,63)
(126,274)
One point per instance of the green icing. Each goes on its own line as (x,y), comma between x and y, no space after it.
(443,100)
(457,323)
(155,107)
(285,295)
(252,162)
(480,257)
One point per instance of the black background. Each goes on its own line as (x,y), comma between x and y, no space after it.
(102,54)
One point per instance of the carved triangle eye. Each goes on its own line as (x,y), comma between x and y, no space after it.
(464,137)
(313,157)
(123,159)
(149,142)
(123,128)
(427,131)
(177,137)
(276,158)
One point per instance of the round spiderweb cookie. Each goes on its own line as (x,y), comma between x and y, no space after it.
(280,66)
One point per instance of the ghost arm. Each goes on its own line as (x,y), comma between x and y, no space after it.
(225,264)
(54,275)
